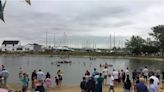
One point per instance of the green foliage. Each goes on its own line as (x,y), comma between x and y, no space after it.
(135,44)
(138,45)
(158,34)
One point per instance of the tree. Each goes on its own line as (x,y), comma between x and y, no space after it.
(158,34)
(135,44)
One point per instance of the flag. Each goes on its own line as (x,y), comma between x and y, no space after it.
(2,7)
(28,1)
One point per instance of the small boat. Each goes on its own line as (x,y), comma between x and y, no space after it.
(64,62)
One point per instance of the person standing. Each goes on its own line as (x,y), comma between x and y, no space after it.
(25,81)
(83,85)
(94,72)
(127,85)
(111,83)
(48,82)
(5,75)
(162,80)
(33,76)
(127,71)
(134,75)
(123,75)
(91,85)
(156,81)
(115,76)
(100,81)
(105,73)
(141,87)
(60,77)
(145,73)
(48,75)
(151,86)
(40,76)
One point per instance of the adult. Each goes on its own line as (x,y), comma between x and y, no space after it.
(48,75)
(87,75)
(151,86)
(25,82)
(5,75)
(91,85)
(156,81)
(40,76)
(94,72)
(145,73)
(105,74)
(127,85)
(60,77)
(48,82)
(127,71)
(100,80)
(141,87)
(111,83)
(162,80)
(115,76)
(83,85)
(123,75)
(40,87)
(134,75)
(33,77)
(96,82)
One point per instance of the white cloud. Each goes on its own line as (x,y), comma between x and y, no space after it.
(84,18)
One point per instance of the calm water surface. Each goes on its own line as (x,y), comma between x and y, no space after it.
(72,72)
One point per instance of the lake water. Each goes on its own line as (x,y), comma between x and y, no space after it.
(72,72)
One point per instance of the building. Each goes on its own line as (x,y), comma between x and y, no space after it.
(32,48)
(62,48)
(10,46)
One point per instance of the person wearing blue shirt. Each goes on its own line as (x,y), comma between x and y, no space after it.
(141,87)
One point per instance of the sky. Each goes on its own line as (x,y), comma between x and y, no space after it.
(80,23)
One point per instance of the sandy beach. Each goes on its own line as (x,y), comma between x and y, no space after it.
(77,89)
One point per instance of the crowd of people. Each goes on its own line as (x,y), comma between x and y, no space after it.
(40,81)
(143,80)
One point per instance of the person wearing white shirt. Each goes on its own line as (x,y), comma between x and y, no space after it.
(156,82)
(40,75)
(105,74)
(145,73)
(151,86)
(111,83)
(115,76)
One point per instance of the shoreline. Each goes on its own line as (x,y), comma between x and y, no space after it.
(118,88)
(88,56)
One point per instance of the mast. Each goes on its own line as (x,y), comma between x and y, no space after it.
(46,39)
(114,40)
(54,39)
(110,41)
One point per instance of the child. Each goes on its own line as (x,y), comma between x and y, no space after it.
(111,83)
(48,83)
(57,81)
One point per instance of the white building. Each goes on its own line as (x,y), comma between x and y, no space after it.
(32,48)
(10,46)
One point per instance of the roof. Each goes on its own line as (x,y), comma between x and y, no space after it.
(10,42)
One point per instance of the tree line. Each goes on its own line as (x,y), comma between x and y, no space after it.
(154,45)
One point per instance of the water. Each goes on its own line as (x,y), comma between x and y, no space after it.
(72,72)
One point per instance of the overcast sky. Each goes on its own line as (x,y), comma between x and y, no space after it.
(83,21)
